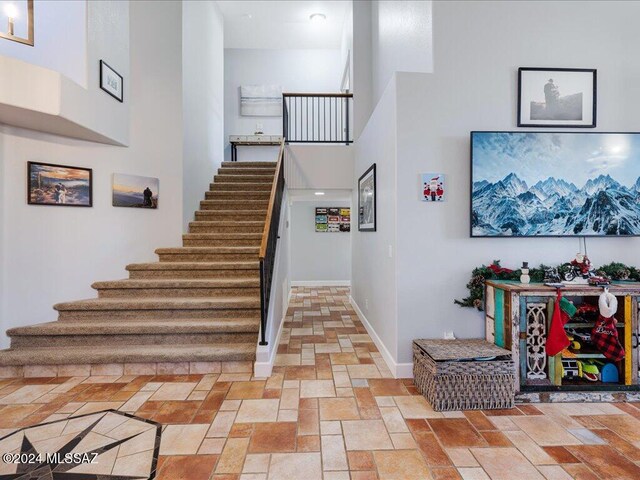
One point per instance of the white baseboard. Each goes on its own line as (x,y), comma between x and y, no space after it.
(321,283)
(265,356)
(399,370)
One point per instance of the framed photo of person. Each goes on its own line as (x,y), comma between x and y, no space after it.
(367,200)
(557,97)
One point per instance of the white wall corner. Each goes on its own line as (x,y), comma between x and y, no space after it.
(266,354)
(399,370)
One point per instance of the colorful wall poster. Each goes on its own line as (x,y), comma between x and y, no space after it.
(433,187)
(334,219)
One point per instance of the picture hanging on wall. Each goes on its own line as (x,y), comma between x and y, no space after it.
(557,97)
(135,191)
(261,100)
(367,200)
(433,187)
(333,219)
(526,184)
(16,21)
(60,185)
(111,81)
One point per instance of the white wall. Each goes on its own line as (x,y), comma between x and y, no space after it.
(315,70)
(53,254)
(319,167)
(478,49)
(60,33)
(373,272)
(318,257)
(203,99)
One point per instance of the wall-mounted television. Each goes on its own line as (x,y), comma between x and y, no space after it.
(555,184)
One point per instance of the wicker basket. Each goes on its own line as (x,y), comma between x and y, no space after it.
(446,373)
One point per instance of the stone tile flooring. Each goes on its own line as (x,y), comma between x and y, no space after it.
(331,411)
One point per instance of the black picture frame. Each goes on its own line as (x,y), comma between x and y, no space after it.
(104,65)
(30,201)
(520,132)
(567,123)
(370,171)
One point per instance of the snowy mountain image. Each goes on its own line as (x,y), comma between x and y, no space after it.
(555,184)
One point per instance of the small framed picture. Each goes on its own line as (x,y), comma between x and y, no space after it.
(111,81)
(59,185)
(135,191)
(433,187)
(557,97)
(367,200)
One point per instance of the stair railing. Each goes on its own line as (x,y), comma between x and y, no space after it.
(317,117)
(269,242)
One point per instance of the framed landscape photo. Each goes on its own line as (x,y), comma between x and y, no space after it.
(135,191)
(367,200)
(557,97)
(555,184)
(111,81)
(60,185)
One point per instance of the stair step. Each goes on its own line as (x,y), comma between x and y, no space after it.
(226,226)
(239,194)
(207,254)
(243,179)
(235,205)
(255,215)
(248,185)
(154,308)
(247,171)
(221,239)
(181,331)
(93,354)
(174,270)
(249,164)
(178,288)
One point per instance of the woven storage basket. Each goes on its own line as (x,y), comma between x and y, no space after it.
(446,374)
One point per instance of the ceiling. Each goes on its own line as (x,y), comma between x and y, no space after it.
(282,24)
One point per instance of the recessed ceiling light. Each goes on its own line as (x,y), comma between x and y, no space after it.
(247,16)
(317,18)
(319,193)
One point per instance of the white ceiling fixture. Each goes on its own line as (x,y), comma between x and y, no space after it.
(319,193)
(281,24)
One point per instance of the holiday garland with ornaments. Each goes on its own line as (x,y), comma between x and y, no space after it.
(615,271)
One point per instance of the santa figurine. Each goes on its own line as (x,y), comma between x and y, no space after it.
(583,264)
(433,189)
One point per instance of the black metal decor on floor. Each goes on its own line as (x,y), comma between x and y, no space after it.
(22,459)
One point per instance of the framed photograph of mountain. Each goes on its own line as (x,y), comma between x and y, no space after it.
(59,185)
(526,184)
(557,97)
(135,191)
(367,200)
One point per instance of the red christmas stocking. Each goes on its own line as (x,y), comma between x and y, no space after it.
(605,338)
(557,339)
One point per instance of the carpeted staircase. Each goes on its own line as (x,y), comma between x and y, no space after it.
(199,305)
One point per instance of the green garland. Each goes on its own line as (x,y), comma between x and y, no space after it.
(615,271)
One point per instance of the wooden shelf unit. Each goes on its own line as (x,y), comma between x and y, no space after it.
(518,318)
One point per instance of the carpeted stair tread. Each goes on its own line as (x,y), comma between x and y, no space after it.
(255,250)
(254,204)
(94,354)
(247,171)
(235,186)
(177,283)
(175,326)
(227,265)
(249,164)
(223,236)
(161,303)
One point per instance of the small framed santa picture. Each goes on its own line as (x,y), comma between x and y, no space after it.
(433,187)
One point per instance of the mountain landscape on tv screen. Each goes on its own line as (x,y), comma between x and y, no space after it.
(510,207)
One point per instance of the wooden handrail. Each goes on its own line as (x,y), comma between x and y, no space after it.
(272,201)
(337,95)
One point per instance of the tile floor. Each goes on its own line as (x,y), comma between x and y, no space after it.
(331,411)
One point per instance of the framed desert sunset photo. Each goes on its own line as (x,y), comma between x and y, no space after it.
(59,185)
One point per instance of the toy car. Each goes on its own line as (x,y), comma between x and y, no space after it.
(599,281)
(583,336)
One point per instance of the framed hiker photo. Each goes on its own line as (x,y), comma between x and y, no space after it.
(59,185)
(367,200)
(557,97)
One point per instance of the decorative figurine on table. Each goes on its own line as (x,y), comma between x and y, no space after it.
(524,277)
(552,277)
(578,270)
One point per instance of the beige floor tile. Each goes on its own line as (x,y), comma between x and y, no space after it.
(366,435)
(530,449)
(393,420)
(136,465)
(263,410)
(135,402)
(26,394)
(290,398)
(473,474)
(173,392)
(363,371)
(290,466)
(402,441)
(92,407)
(401,465)
(256,463)
(182,439)
(554,472)
(287,359)
(415,406)
(334,455)
(461,457)
(317,388)
(338,409)
(233,454)
(506,464)
(544,431)
(211,446)
(221,425)
(332,427)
